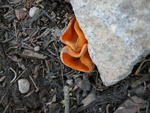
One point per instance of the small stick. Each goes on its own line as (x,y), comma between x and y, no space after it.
(31,92)
(37,89)
(56,50)
(6,108)
(20,75)
(139,68)
(107,108)
(66,97)
(47,65)
(1,100)
(51,52)
(15,76)
(62,74)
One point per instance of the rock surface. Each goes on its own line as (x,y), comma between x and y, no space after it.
(23,85)
(118,32)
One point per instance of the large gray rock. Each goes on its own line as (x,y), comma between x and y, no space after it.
(118,32)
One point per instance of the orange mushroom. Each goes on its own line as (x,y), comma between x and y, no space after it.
(75,53)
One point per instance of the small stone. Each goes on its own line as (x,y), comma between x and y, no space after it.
(70,82)
(36,48)
(23,85)
(33,11)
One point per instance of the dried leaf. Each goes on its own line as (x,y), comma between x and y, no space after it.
(131,105)
(90,98)
(21,13)
(84,85)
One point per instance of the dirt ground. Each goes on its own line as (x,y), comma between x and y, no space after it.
(30,48)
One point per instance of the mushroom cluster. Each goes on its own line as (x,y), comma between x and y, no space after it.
(75,53)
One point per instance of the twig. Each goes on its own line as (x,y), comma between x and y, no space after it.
(35,31)
(15,28)
(6,108)
(43,72)
(30,53)
(48,43)
(107,108)
(21,109)
(55,49)
(62,74)
(66,97)
(139,68)
(47,65)
(15,75)
(44,34)
(28,22)
(147,108)
(37,89)
(1,100)
(20,75)
(31,92)
(51,52)
(7,40)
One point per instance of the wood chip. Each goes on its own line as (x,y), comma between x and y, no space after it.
(29,53)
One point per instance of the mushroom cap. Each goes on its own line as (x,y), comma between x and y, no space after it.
(73,36)
(75,53)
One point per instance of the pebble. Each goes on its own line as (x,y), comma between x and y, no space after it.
(70,82)
(36,48)
(33,11)
(23,85)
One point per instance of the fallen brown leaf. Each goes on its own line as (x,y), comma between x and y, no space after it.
(89,99)
(21,13)
(132,105)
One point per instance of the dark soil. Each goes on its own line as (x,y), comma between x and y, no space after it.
(48,76)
